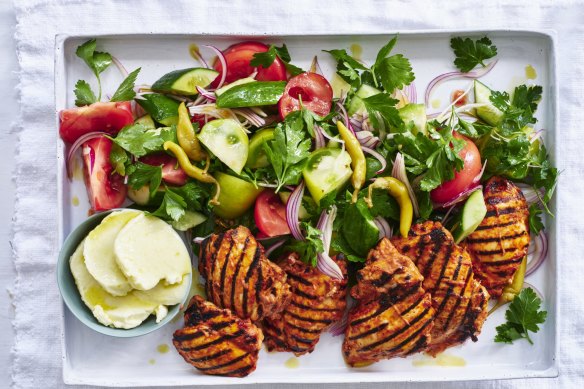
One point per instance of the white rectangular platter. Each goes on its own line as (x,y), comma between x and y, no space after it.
(95,359)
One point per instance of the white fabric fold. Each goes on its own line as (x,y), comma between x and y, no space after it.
(37,352)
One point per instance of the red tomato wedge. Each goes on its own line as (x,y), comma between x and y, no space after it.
(238,59)
(105,190)
(171,172)
(106,117)
(270,214)
(313,89)
(462,179)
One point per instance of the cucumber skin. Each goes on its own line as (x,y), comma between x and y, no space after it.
(162,109)
(253,94)
(489,114)
(167,82)
(358,228)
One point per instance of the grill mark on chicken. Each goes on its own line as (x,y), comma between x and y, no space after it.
(493,226)
(243,371)
(413,336)
(309,319)
(307,330)
(254,264)
(305,295)
(458,298)
(499,212)
(298,279)
(258,289)
(497,238)
(302,340)
(192,336)
(228,363)
(236,273)
(210,357)
(309,308)
(502,263)
(224,270)
(214,342)
(369,332)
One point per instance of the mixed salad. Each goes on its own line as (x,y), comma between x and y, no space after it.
(254,140)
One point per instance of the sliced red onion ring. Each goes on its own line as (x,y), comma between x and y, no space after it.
(249,115)
(460,197)
(536,136)
(221,58)
(478,177)
(120,67)
(73,148)
(399,172)
(338,327)
(345,116)
(367,139)
(200,239)
(539,254)
(319,141)
(315,67)
(454,75)
(413,93)
(385,229)
(292,211)
(273,247)
(205,93)
(531,194)
(377,156)
(331,138)
(325,263)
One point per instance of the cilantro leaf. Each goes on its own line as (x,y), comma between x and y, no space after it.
(140,174)
(96,60)
(125,91)
(469,54)
(267,58)
(83,94)
(382,111)
(523,316)
(173,206)
(535,223)
(309,248)
(289,149)
(139,140)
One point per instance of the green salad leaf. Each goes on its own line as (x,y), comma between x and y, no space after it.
(471,53)
(309,248)
(96,60)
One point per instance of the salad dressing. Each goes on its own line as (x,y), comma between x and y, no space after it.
(444,360)
(292,363)
(530,72)
(75,201)
(357,51)
(435,103)
(163,348)
(152,361)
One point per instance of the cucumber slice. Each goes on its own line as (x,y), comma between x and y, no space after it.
(257,157)
(327,170)
(146,121)
(236,196)
(161,108)
(415,113)
(358,228)
(142,196)
(227,140)
(252,94)
(242,81)
(473,213)
(185,81)
(189,220)
(357,104)
(489,113)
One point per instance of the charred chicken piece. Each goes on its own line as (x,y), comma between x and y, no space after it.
(500,242)
(460,301)
(317,301)
(394,315)
(240,277)
(217,342)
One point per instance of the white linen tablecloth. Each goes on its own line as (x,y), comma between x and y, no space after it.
(37,355)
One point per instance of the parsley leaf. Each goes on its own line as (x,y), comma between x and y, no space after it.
(469,54)
(308,249)
(140,174)
(96,60)
(392,72)
(535,223)
(289,149)
(522,316)
(267,58)
(348,68)
(140,140)
(119,159)
(125,91)
(382,111)
(195,195)
(83,94)
(173,206)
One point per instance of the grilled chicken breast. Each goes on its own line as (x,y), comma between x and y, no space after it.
(217,342)
(394,315)
(240,277)
(500,242)
(317,301)
(460,301)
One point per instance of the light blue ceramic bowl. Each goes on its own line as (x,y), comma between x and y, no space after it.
(71,296)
